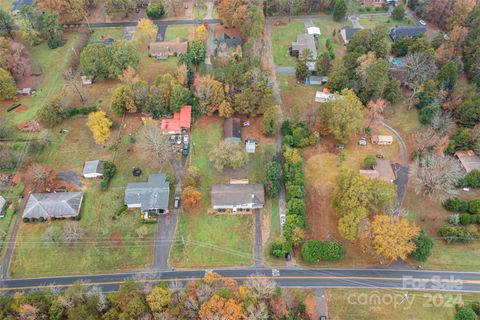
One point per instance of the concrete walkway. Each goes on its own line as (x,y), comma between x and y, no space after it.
(322,307)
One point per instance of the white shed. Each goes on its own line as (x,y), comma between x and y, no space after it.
(93,169)
(315,31)
(250,146)
(3,205)
(323,97)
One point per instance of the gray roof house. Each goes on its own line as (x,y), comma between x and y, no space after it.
(347,33)
(407,32)
(304,41)
(3,204)
(53,205)
(237,196)
(93,169)
(151,197)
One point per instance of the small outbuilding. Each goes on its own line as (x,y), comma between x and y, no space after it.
(3,206)
(316,80)
(93,169)
(86,80)
(382,140)
(469,160)
(323,97)
(232,130)
(250,146)
(314,31)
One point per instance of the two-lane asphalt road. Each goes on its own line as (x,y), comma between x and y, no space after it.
(308,278)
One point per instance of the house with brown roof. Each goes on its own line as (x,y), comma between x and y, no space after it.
(237,196)
(165,49)
(232,130)
(381,170)
(469,160)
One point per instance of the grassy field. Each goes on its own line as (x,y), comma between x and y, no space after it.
(103,33)
(297,95)
(211,240)
(111,243)
(330,29)
(370,23)
(376,304)
(180,31)
(282,38)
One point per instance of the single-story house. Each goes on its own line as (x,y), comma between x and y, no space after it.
(469,160)
(151,197)
(181,121)
(347,33)
(381,170)
(407,32)
(316,80)
(86,80)
(165,49)
(3,205)
(250,146)
(382,140)
(314,31)
(322,97)
(230,36)
(304,41)
(53,205)
(237,196)
(231,130)
(93,169)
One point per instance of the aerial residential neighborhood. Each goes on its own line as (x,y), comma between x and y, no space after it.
(239,159)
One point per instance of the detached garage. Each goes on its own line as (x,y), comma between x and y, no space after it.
(93,169)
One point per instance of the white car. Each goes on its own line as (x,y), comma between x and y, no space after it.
(421,22)
(185,139)
(179,139)
(282,220)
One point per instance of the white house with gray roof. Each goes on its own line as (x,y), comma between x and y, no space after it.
(237,196)
(53,205)
(151,197)
(93,169)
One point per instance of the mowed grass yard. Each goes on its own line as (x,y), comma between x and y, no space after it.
(216,240)
(104,33)
(179,31)
(372,22)
(330,29)
(367,304)
(111,243)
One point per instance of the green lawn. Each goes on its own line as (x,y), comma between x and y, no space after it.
(103,33)
(111,244)
(53,63)
(180,31)
(370,23)
(211,240)
(380,304)
(12,195)
(330,29)
(296,95)
(282,38)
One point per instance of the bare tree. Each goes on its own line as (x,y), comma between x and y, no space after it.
(375,111)
(261,287)
(257,312)
(72,231)
(442,123)
(436,176)
(424,140)
(155,144)
(40,176)
(419,67)
(72,82)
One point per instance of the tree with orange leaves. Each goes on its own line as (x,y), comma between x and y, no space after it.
(226,10)
(191,197)
(218,307)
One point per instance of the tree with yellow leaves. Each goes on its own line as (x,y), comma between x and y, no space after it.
(393,237)
(221,308)
(146,31)
(159,299)
(99,124)
(201,33)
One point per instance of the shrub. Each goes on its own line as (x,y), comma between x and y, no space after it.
(109,170)
(464,219)
(452,204)
(454,219)
(80,111)
(455,234)
(296,206)
(423,247)
(121,210)
(465,314)
(314,251)
(155,10)
(26,220)
(463,206)
(473,218)
(369,162)
(476,307)
(54,43)
(471,179)
(474,206)
(279,248)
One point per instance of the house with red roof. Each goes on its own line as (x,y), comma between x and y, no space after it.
(181,120)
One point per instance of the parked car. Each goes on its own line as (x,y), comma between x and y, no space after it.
(362,142)
(251,141)
(173,138)
(185,149)
(340,146)
(282,220)
(380,155)
(288,257)
(179,139)
(176,202)
(422,23)
(246,124)
(185,139)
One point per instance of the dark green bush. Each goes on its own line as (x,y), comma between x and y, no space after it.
(423,247)
(465,314)
(80,111)
(452,204)
(465,219)
(471,179)
(121,210)
(279,248)
(26,220)
(155,10)
(474,206)
(54,43)
(109,170)
(473,218)
(314,251)
(455,234)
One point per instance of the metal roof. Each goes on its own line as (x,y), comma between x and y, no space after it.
(53,205)
(94,166)
(237,194)
(151,195)
(470,161)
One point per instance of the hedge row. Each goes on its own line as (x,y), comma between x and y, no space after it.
(457,205)
(315,251)
(109,170)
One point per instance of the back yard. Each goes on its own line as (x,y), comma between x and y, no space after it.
(217,240)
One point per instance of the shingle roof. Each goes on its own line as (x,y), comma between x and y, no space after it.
(231,128)
(385,170)
(305,41)
(94,166)
(57,205)
(470,161)
(237,194)
(407,31)
(168,47)
(348,32)
(151,195)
